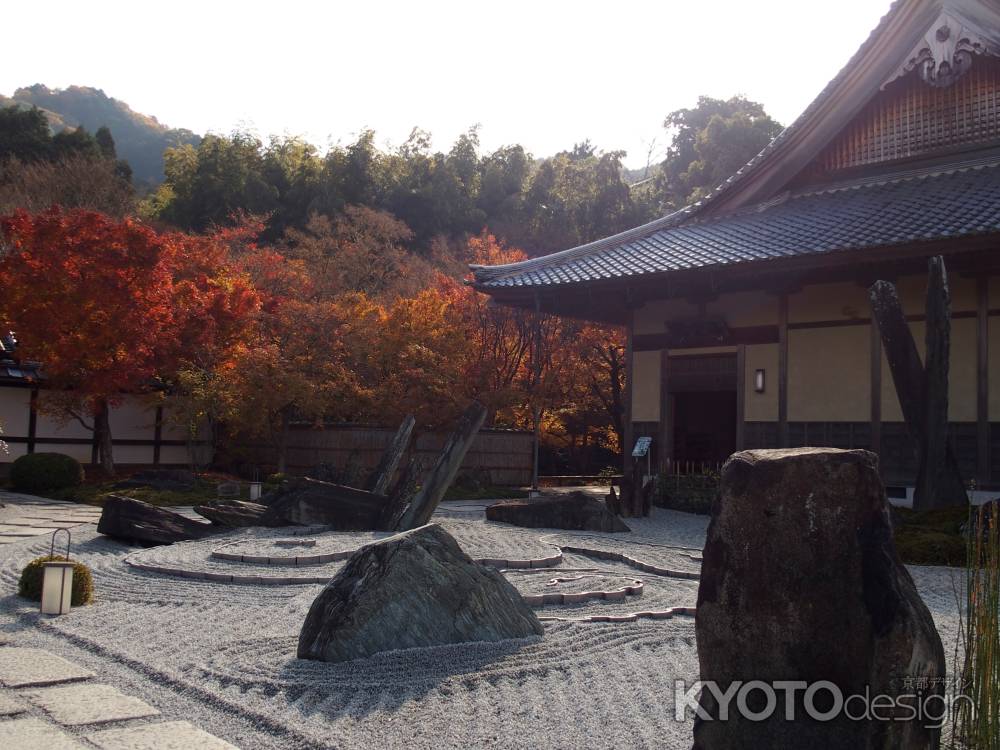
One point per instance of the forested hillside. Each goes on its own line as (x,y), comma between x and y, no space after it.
(140,139)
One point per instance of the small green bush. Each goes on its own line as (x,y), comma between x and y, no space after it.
(921,546)
(690,493)
(30,585)
(41,472)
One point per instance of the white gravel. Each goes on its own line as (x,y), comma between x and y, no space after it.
(222,655)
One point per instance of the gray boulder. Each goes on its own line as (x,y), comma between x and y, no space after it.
(800,581)
(414,589)
(577,511)
(135,521)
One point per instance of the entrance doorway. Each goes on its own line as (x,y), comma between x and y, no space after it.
(702,411)
(704,426)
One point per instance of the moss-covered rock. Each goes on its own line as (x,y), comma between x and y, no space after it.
(41,472)
(30,585)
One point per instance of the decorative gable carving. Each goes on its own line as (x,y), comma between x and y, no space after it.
(945,53)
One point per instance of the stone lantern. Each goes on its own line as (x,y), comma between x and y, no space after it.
(57,580)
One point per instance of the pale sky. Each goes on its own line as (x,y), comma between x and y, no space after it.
(544,73)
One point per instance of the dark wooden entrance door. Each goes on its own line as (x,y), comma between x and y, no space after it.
(702,407)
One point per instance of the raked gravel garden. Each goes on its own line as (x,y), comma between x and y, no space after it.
(206,632)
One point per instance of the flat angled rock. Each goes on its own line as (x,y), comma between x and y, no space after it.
(9,705)
(89,703)
(28,667)
(35,734)
(168,735)
(576,511)
(411,590)
(136,521)
(233,513)
(309,501)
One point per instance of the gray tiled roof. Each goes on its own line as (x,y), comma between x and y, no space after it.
(870,213)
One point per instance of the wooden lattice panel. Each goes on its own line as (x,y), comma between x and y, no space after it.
(911,118)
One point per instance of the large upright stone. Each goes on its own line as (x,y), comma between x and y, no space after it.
(417,588)
(801,582)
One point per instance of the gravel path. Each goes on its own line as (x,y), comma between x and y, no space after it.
(222,655)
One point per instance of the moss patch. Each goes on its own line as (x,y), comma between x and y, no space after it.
(95,493)
(932,537)
(485,493)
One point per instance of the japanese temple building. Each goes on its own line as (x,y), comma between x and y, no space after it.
(748,319)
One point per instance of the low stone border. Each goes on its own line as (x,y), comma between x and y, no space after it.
(617,595)
(220,554)
(633,562)
(544,562)
(664,614)
(264,580)
(202,575)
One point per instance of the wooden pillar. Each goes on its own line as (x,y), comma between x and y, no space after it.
(32,419)
(983,380)
(741,394)
(876,389)
(629,377)
(157,435)
(783,370)
(666,449)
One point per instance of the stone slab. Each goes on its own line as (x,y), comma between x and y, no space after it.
(89,703)
(169,735)
(9,705)
(10,530)
(35,523)
(35,734)
(30,667)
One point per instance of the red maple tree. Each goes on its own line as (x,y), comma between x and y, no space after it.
(111,307)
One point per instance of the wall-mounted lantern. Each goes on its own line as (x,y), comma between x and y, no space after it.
(57,580)
(758,381)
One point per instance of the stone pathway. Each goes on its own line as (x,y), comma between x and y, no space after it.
(26,516)
(50,703)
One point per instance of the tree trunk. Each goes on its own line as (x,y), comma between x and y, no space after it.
(286,419)
(102,433)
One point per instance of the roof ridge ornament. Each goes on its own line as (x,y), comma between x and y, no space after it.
(945,53)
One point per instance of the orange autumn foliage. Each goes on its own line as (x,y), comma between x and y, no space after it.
(112,306)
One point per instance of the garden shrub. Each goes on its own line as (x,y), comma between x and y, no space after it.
(40,472)
(690,493)
(30,585)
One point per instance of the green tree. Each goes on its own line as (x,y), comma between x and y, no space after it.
(24,133)
(206,186)
(105,142)
(710,143)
